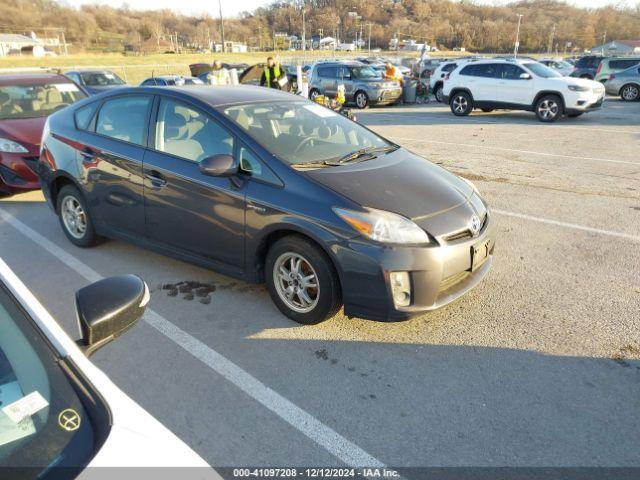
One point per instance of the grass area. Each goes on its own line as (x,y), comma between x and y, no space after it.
(134,69)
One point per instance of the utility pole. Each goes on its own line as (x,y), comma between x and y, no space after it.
(517,44)
(551,38)
(604,40)
(221,24)
(260,36)
(304,32)
(369,38)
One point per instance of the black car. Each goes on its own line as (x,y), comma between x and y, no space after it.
(587,66)
(268,187)
(96,81)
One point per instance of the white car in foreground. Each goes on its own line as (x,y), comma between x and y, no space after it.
(59,413)
(516,84)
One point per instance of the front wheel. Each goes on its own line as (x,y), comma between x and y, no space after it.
(549,108)
(74,217)
(302,281)
(461,104)
(361,99)
(630,93)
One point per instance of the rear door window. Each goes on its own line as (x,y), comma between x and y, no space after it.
(623,64)
(449,67)
(469,70)
(489,70)
(125,118)
(327,72)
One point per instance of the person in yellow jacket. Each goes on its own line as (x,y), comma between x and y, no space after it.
(272,75)
(219,75)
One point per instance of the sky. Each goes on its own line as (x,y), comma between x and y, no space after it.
(234,7)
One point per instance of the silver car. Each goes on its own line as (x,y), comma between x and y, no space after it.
(363,85)
(625,83)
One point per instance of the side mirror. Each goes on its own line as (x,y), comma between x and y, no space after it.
(108,308)
(525,76)
(221,165)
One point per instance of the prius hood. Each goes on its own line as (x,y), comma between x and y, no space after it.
(398,182)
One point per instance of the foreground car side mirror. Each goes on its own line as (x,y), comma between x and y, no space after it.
(221,165)
(108,308)
(525,76)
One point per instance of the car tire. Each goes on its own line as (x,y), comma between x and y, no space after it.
(461,104)
(361,99)
(630,93)
(438,94)
(549,108)
(75,218)
(313,94)
(289,264)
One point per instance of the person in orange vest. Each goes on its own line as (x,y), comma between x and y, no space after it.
(391,72)
(272,74)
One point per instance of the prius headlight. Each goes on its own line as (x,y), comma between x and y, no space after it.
(383,227)
(9,146)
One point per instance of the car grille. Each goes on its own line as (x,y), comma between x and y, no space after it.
(464,234)
(32,163)
(449,282)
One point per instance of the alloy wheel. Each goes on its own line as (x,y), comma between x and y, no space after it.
(630,93)
(296,282)
(548,109)
(439,96)
(361,100)
(460,104)
(74,217)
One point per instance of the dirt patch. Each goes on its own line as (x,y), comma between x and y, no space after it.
(192,289)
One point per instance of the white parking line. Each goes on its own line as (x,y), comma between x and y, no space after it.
(528,152)
(610,233)
(310,426)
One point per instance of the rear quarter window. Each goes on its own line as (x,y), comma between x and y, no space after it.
(84,116)
(623,64)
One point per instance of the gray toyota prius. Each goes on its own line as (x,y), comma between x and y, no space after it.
(268,187)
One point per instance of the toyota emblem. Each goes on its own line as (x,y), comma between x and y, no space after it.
(474,225)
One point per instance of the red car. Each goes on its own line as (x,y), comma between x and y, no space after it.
(26,100)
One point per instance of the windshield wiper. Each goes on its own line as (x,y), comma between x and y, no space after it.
(321,164)
(367,151)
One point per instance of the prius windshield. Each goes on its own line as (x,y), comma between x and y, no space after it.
(303,132)
(42,420)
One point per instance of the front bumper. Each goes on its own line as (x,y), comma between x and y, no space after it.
(579,102)
(384,96)
(18,172)
(439,274)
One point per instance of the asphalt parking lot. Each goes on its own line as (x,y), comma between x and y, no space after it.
(538,366)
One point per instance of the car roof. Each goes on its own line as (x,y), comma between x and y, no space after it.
(350,63)
(32,79)
(219,95)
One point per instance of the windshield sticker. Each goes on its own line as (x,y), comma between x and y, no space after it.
(9,430)
(321,111)
(25,406)
(65,87)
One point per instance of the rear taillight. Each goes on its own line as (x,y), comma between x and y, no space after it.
(611,77)
(446,77)
(599,68)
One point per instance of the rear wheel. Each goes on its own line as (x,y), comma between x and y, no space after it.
(630,93)
(313,94)
(549,108)
(74,217)
(302,281)
(461,104)
(438,94)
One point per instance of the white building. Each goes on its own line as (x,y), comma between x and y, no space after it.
(16,44)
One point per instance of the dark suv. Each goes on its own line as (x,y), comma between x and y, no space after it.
(587,66)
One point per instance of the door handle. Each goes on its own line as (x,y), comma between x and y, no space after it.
(156,179)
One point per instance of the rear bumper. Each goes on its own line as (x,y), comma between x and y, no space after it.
(18,172)
(438,275)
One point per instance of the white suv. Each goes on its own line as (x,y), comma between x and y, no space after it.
(436,80)
(519,84)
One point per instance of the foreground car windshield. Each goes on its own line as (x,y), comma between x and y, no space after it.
(541,70)
(42,420)
(100,79)
(303,132)
(30,101)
